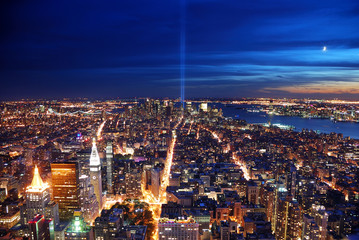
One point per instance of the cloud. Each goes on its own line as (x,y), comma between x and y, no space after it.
(324,87)
(241,47)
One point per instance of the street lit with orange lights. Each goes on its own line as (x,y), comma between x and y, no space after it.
(234,157)
(161,165)
(99,131)
(156,203)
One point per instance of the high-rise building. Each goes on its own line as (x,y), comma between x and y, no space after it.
(38,201)
(267,200)
(157,106)
(321,219)
(78,229)
(188,106)
(95,173)
(108,224)
(155,182)
(306,190)
(41,228)
(168,111)
(83,157)
(291,178)
(178,229)
(88,201)
(279,192)
(203,107)
(65,185)
(310,230)
(289,222)
(133,183)
(109,160)
(253,192)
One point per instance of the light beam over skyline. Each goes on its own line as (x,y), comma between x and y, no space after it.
(183,51)
(207,48)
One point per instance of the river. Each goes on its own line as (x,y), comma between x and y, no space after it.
(322,125)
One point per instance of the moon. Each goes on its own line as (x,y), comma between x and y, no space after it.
(324,48)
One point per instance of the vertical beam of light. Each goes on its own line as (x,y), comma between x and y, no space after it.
(183,51)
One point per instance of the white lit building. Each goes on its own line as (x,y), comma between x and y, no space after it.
(88,201)
(203,106)
(95,174)
(109,160)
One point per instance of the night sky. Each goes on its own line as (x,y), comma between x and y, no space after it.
(131,48)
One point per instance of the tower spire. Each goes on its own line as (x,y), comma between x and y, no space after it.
(95,173)
(94,158)
(37,181)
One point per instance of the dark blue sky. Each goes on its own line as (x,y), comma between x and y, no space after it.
(131,48)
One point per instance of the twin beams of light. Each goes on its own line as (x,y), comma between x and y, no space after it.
(183,50)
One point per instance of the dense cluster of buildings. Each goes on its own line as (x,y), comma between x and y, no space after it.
(336,110)
(151,169)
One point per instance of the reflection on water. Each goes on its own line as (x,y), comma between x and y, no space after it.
(322,125)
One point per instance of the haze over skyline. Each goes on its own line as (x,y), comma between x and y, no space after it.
(132,49)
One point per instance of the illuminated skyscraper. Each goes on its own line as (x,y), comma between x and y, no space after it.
(95,173)
(155,182)
(65,184)
(291,179)
(321,219)
(109,160)
(83,160)
(289,222)
(37,196)
(88,201)
(188,106)
(38,201)
(41,228)
(78,229)
(279,192)
(311,230)
(203,107)
(133,183)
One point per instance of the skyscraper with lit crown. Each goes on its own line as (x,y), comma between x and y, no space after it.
(38,201)
(95,173)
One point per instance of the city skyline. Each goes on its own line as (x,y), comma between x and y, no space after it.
(132,49)
(262,169)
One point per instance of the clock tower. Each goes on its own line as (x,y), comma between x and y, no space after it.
(95,173)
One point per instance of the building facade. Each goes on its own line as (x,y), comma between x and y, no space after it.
(41,228)
(78,229)
(95,173)
(109,161)
(178,229)
(38,201)
(66,191)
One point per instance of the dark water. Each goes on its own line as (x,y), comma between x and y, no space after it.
(321,125)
